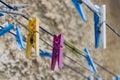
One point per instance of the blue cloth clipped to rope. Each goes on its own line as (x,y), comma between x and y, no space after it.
(6,29)
(19,38)
(45,53)
(1,14)
(90,60)
(79,8)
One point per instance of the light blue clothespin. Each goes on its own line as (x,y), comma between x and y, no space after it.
(12,8)
(19,38)
(45,53)
(117,77)
(90,60)
(79,9)
(1,14)
(6,29)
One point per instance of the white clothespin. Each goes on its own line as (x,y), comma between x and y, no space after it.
(103,25)
(100,26)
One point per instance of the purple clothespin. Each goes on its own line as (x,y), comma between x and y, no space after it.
(57,51)
(90,60)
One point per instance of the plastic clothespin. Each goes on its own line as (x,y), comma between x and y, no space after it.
(19,6)
(90,5)
(90,60)
(6,29)
(19,38)
(100,26)
(12,8)
(33,36)
(1,14)
(117,78)
(79,8)
(89,78)
(97,78)
(45,53)
(57,51)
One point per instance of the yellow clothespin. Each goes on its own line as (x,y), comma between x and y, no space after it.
(33,36)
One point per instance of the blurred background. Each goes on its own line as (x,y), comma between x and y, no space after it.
(60,16)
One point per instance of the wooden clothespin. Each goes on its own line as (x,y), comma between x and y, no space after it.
(78,7)
(6,28)
(100,26)
(19,38)
(57,51)
(90,60)
(33,36)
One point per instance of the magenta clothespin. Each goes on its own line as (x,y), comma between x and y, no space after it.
(57,51)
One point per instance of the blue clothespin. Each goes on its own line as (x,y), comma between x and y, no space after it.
(97,30)
(6,29)
(45,53)
(19,38)
(100,26)
(89,78)
(90,60)
(1,14)
(79,9)
(117,77)
(97,78)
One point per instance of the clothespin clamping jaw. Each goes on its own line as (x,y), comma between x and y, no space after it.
(19,38)
(100,26)
(90,60)
(78,7)
(33,36)
(6,29)
(12,8)
(57,51)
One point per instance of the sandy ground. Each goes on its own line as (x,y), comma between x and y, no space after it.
(59,16)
